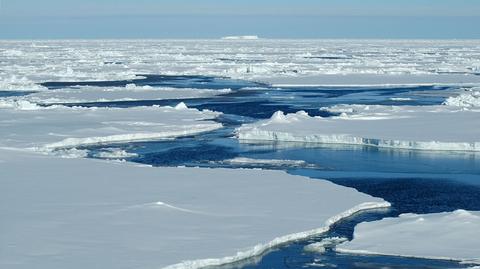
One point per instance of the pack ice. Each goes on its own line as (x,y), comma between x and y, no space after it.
(26,63)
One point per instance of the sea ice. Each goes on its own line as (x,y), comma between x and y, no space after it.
(327,242)
(454,235)
(471,99)
(409,127)
(84,213)
(114,153)
(110,94)
(320,62)
(268,162)
(26,125)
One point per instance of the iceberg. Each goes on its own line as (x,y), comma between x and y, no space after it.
(241,37)
(450,235)
(84,213)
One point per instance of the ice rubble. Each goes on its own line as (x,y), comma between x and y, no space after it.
(408,127)
(14,83)
(83,213)
(453,235)
(27,125)
(321,246)
(470,99)
(276,61)
(267,162)
(114,153)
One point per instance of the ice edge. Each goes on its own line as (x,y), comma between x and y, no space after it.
(262,248)
(134,137)
(256,134)
(365,252)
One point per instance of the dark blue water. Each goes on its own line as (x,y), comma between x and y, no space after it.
(197,82)
(413,181)
(14,93)
(259,101)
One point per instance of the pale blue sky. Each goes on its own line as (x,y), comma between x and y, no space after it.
(216,18)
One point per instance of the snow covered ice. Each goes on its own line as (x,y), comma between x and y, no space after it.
(26,125)
(111,94)
(453,235)
(443,127)
(80,213)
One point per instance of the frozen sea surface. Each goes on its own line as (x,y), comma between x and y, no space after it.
(26,63)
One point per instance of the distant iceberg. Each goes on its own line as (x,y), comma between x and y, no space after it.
(241,37)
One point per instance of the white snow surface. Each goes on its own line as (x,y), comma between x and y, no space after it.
(84,213)
(26,125)
(109,94)
(454,235)
(409,127)
(25,63)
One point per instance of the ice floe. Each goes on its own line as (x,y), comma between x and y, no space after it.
(453,235)
(267,162)
(26,125)
(87,94)
(114,153)
(408,127)
(329,242)
(83,213)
